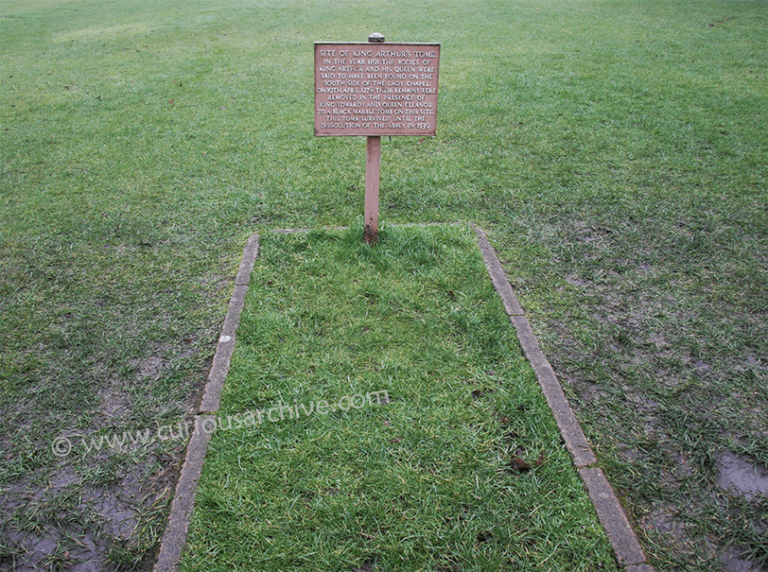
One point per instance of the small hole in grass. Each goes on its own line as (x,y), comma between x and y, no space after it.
(478,393)
(484,536)
(623,339)
(367,566)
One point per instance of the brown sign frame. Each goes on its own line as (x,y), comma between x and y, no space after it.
(376,89)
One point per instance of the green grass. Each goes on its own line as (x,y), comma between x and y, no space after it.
(417,480)
(615,152)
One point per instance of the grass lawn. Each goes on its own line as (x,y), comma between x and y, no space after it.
(411,464)
(614,151)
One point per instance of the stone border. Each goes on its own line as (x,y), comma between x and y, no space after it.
(175,535)
(223,355)
(609,510)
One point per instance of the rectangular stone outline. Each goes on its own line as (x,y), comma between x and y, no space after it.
(610,513)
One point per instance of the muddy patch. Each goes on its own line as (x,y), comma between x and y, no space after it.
(732,561)
(663,521)
(70,524)
(578,282)
(151,368)
(741,476)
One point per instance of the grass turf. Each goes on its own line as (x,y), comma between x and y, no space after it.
(614,151)
(429,402)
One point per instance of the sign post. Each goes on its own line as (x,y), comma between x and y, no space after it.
(372,169)
(372,178)
(375,89)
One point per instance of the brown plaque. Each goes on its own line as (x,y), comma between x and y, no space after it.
(376,89)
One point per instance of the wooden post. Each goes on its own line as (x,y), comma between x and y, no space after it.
(372,166)
(372,169)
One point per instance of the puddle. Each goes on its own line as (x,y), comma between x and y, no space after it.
(741,476)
